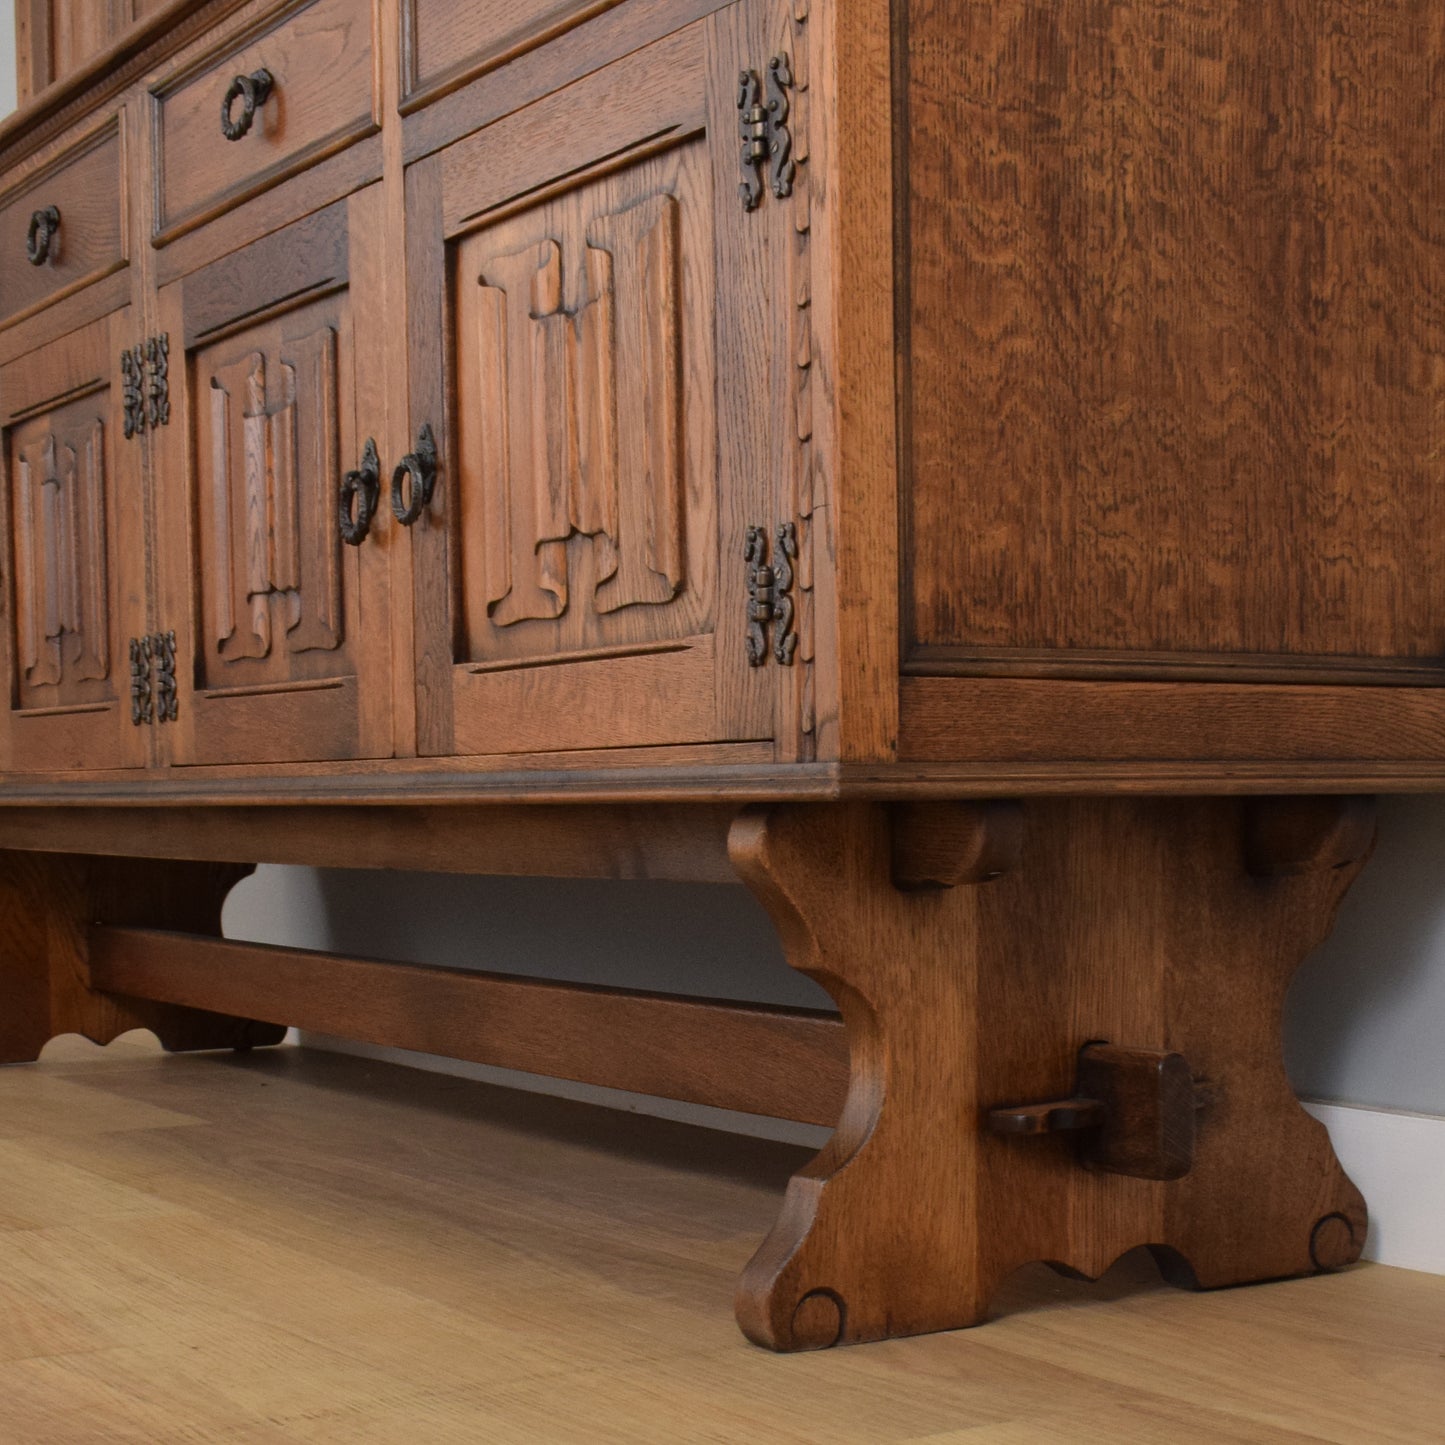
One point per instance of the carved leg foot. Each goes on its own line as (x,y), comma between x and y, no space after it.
(1064,1021)
(47,904)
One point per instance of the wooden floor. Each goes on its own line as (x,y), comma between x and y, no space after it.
(301,1247)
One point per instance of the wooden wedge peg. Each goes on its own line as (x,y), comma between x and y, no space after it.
(1134,1109)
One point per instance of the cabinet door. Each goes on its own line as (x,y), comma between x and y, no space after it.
(607,401)
(75,552)
(282,633)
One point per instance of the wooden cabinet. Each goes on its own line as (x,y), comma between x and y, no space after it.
(713,413)
(971,470)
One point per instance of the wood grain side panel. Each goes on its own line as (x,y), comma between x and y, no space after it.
(1176,380)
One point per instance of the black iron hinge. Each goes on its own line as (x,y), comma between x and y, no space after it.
(154,695)
(766,136)
(168,696)
(142,696)
(158,380)
(770,594)
(145,380)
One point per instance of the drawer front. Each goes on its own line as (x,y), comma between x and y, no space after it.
(70,218)
(320,60)
(447,43)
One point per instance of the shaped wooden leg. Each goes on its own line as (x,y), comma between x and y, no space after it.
(47,904)
(1021,935)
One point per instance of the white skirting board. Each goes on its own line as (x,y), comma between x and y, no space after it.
(1398,1162)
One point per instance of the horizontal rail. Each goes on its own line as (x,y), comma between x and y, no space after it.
(784,1063)
(654,841)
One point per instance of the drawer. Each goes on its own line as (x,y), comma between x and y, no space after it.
(80,199)
(447,43)
(300,88)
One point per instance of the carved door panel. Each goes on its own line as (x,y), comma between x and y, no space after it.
(74,556)
(581,573)
(282,634)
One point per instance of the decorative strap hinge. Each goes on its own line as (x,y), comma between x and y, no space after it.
(766,136)
(145,381)
(770,595)
(158,380)
(142,696)
(154,695)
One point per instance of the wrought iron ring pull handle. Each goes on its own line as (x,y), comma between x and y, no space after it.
(420,469)
(360,493)
(44,229)
(252,91)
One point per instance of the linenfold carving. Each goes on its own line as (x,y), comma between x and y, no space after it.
(580,416)
(275,578)
(62,590)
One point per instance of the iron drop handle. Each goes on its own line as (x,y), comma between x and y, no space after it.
(420,469)
(44,229)
(252,91)
(360,493)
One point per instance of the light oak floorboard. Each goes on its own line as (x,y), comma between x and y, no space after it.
(298,1247)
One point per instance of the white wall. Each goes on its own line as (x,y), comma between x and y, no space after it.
(1365,1019)
(7,56)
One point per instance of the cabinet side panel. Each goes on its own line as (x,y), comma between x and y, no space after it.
(1177,357)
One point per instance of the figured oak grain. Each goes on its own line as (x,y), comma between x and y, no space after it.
(1174,375)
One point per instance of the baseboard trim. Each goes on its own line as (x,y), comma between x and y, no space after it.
(1398,1162)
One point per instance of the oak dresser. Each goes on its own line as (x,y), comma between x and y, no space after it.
(973,470)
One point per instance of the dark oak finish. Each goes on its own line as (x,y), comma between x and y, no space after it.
(794,1063)
(1173,333)
(980,440)
(286,627)
(1132,923)
(678,844)
(85,187)
(47,904)
(74,545)
(444,44)
(583,589)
